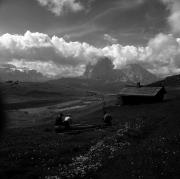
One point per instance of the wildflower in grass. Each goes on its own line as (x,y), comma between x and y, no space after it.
(94,158)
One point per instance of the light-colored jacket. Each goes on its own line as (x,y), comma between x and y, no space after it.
(68,118)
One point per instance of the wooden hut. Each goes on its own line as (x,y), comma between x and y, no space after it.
(136,95)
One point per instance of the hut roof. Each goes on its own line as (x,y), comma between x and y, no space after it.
(142,91)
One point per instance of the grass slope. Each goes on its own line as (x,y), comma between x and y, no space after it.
(37,151)
(34,94)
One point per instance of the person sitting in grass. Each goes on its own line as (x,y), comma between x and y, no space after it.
(58,122)
(67,121)
(62,121)
(107,118)
(59,119)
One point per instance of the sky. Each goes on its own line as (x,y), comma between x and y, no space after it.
(60,37)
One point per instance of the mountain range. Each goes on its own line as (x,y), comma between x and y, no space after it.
(10,72)
(103,70)
(131,73)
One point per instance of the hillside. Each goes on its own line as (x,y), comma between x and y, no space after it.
(29,94)
(151,151)
(173,81)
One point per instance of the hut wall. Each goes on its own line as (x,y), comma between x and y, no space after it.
(160,96)
(140,99)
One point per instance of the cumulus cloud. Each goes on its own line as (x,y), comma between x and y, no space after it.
(56,56)
(173,19)
(48,68)
(110,39)
(163,54)
(58,7)
(52,56)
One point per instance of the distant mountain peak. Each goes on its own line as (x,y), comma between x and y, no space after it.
(132,73)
